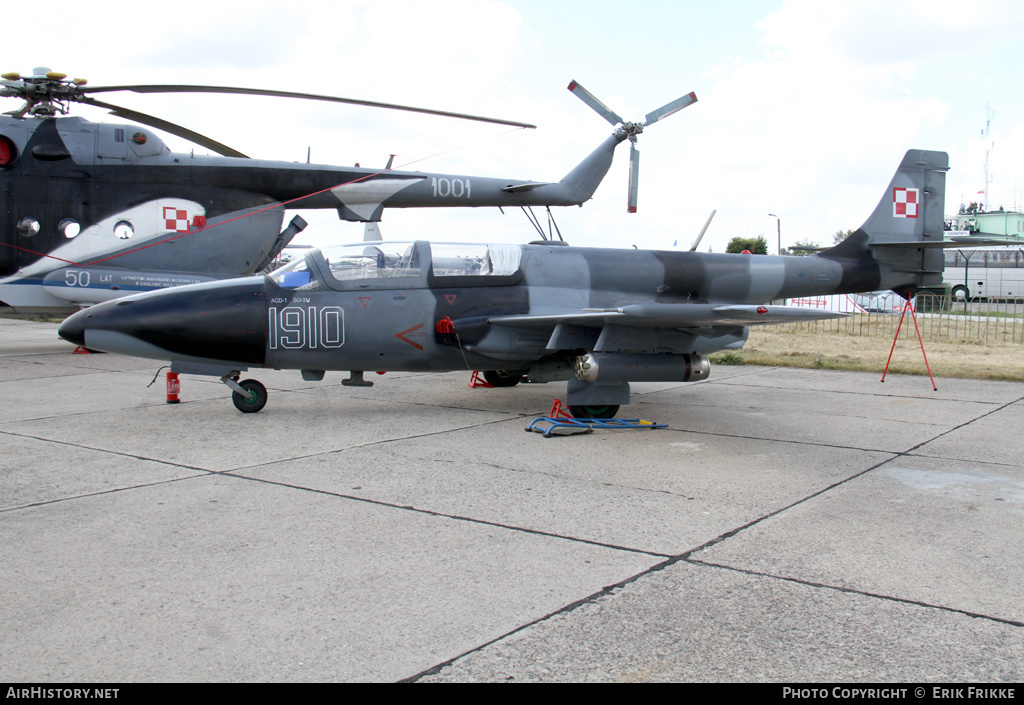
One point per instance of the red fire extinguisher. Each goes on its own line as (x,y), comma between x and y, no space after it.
(173,387)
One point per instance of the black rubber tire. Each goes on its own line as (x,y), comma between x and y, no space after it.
(607,411)
(503,378)
(961,292)
(256,400)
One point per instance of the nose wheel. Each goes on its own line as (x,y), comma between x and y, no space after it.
(249,396)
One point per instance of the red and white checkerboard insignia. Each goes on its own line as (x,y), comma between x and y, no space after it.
(176,219)
(905,202)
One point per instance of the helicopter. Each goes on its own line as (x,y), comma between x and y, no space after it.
(597,318)
(93,211)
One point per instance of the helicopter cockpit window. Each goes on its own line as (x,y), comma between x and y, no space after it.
(28,226)
(372,260)
(69,228)
(123,229)
(296,275)
(471,260)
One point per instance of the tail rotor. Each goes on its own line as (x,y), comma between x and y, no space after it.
(630,130)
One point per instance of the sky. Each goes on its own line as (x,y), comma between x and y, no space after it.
(804,108)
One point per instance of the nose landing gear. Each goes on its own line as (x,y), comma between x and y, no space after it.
(248,396)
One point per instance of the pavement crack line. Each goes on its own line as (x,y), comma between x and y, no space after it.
(965,423)
(368,444)
(113,490)
(108,451)
(854,591)
(444,515)
(565,609)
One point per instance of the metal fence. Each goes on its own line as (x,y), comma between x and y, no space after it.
(939,318)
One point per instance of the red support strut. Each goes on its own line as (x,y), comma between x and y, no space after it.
(476,381)
(559,411)
(913,315)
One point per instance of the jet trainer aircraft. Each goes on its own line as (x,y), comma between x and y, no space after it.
(598,318)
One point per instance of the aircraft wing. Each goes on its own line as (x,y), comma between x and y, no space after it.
(670,316)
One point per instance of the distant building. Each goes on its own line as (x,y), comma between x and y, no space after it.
(1000,222)
(994,272)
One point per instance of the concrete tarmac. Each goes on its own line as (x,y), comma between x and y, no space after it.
(788,525)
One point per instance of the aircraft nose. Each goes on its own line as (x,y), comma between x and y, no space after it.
(73,329)
(217,320)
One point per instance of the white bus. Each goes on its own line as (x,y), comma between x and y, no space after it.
(985,272)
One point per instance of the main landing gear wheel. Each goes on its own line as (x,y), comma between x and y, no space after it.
(606,411)
(255,399)
(503,378)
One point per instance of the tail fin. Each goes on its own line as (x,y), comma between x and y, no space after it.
(899,245)
(580,183)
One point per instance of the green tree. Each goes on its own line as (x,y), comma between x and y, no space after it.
(755,245)
(800,253)
(841,235)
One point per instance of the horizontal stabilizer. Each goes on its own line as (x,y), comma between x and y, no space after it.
(516,188)
(952,243)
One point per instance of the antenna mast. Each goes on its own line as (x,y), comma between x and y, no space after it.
(989,114)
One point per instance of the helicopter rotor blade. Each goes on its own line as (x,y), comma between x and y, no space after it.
(634,176)
(302,96)
(595,104)
(670,108)
(168,127)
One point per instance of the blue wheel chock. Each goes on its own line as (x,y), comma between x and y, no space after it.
(565,426)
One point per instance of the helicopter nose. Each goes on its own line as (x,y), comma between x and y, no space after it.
(73,329)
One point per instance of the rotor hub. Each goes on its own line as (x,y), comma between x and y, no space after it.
(46,93)
(632,129)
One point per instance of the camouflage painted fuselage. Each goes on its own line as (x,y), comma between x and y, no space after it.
(559,301)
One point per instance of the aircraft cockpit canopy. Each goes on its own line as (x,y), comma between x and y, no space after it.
(474,260)
(375,264)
